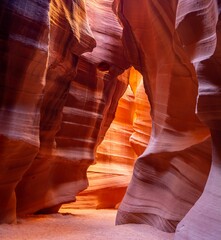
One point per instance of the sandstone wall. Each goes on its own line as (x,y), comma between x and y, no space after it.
(126,138)
(56,104)
(65,66)
(24,30)
(170,175)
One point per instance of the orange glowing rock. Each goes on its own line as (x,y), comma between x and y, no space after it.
(69,97)
(142,122)
(115,156)
(109,177)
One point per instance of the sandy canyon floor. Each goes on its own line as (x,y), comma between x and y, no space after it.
(71,224)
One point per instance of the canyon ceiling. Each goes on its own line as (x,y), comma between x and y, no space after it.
(133,86)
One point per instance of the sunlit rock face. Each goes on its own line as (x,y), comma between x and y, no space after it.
(115,156)
(170,175)
(142,122)
(92,99)
(109,177)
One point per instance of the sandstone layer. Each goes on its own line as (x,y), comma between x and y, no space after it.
(67,87)
(203,220)
(56,104)
(24,51)
(69,37)
(126,138)
(170,175)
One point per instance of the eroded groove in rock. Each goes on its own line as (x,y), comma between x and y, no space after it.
(115,156)
(171,173)
(95,91)
(109,177)
(77,110)
(23,56)
(142,123)
(203,220)
(47,183)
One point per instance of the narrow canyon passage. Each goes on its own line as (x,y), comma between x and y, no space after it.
(110,115)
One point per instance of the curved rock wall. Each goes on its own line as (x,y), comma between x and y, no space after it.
(203,220)
(109,177)
(142,122)
(75,98)
(170,175)
(63,69)
(23,58)
(92,99)
(69,37)
(126,136)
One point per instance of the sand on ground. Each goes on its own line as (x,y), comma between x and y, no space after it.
(71,224)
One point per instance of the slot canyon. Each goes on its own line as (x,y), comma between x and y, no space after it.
(110,109)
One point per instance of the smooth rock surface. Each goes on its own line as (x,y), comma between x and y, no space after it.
(203,220)
(127,137)
(170,175)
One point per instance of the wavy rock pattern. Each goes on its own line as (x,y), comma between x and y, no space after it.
(69,36)
(142,122)
(170,175)
(63,69)
(23,58)
(93,97)
(203,220)
(109,177)
(127,135)
(77,109)
(31,56)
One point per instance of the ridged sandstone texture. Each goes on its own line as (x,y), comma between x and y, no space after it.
(204,219)
(49,180)
(68,102)
(142,123)
(63,70)
(92,99)
(115,156)
(23,58)
(170,175)
(38,47)
(109,177)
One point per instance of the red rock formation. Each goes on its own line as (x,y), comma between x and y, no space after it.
(23,57)
(58,100)
(77,109)
(46,184)
(109,177)
(92,99)
(170,175)
(142,122)
(204,219)
(25,39)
